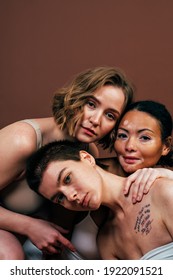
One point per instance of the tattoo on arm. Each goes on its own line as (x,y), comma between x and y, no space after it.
(143,220)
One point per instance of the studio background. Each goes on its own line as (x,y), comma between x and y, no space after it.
(44,43)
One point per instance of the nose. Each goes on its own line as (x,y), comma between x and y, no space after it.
(95,118)
(130,145)
(71,195)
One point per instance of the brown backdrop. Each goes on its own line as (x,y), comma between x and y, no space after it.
(45,42)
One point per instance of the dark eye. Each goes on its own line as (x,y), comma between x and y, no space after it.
(60,198)
(91,104)
(67,179)
(111,116)
(145,138)
(121,136)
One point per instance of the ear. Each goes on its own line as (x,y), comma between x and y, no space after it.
(84,156)
(167,146)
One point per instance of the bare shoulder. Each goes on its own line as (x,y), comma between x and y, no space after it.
(18,142)
(163,190)
(163,199)
(18,136)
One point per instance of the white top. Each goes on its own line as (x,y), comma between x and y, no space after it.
(84,238)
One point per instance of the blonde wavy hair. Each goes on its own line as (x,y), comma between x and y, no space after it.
(68,102)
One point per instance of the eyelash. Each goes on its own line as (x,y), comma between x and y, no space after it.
(145,138)
(123,136)
(92,104)
(67,179)
(60,198)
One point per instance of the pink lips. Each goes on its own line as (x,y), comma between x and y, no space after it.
(130,160)
(89,131)
(85,201)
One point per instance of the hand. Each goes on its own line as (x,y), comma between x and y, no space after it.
(142,180)
(47,236)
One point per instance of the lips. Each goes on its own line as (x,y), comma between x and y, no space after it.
(89,131)
(85,201)
(130,160)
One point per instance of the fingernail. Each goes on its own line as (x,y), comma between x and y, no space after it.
(133,200)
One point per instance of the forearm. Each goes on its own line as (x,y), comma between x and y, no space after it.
(14,222)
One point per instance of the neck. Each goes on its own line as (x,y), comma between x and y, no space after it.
(51,131)
(113,185)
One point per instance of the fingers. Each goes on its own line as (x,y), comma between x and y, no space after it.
(129,181)
(60,229)
(66,242)
(140,183)
(62,239)
(57,246)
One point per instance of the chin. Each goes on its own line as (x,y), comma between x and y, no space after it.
(94,205)
(130,169)
(85,139)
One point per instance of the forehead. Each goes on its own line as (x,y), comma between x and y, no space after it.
(110,95)
(137,119)
(55,167)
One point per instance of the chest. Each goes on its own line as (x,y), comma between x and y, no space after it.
(130,235)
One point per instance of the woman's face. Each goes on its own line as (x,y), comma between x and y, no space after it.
(100,114)
(138,143)
(76,185)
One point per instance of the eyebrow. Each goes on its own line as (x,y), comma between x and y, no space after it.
(58,180)
(112,109)
(139,131)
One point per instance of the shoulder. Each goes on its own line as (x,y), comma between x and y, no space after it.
(162,191)
(18,142)
(163,198)
(19,136)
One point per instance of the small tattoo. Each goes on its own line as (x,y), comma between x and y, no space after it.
(143,220)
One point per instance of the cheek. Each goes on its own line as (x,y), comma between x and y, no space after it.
(118,146)
(86,112)
(151,156)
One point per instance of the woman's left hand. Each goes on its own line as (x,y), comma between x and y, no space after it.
(141,181)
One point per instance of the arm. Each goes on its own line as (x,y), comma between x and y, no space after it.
(18,141)
(141,181)
(45,235)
